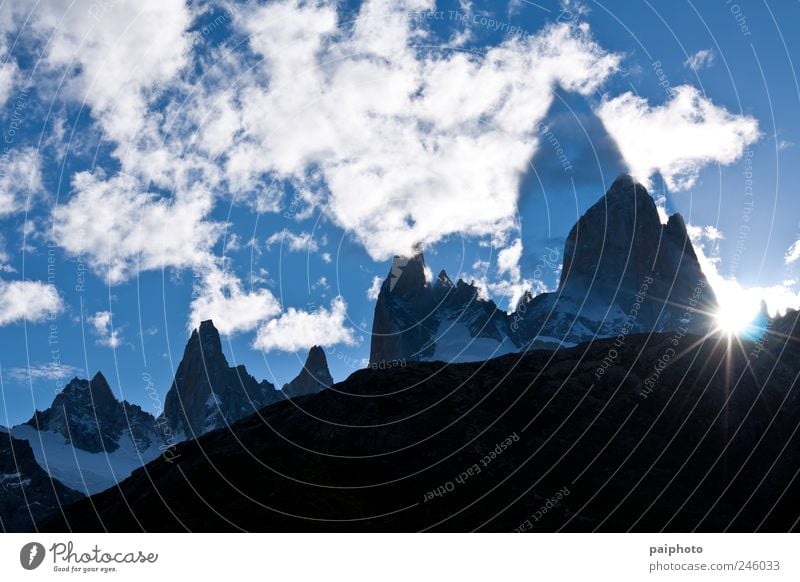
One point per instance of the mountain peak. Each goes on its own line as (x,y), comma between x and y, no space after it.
(626,183)
(622,227)
(101,389)
(95,392)
(316,357)
(313,378)
(618,244)
(88,415)
(207,393)
(617,252)
(407,275)
(443,281)
(209,338)
(676,226)
(99,382)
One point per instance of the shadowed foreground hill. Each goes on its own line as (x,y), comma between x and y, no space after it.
(28,495)
(673,437)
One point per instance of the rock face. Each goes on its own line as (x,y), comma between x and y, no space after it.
(417,321)
(623,272)
(88,416)
(207,393)
(313,378)
(28,495)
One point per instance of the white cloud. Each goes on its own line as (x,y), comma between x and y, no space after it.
(118,50)
(712,233)
(118,58)
(232,243)
(702,59)
(514,286)
(103,327)
(43,371)
(326,257)
(4,257)
(508,260)
(122,229)
(8,76)
(295,330)
(20,179)
(678,138)
(294,242)
(793,253)
(375,288)
(219,296)
(410,145)
(513,291)
(28,300)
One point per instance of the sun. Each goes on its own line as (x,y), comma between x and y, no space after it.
(736,313)
(732,321)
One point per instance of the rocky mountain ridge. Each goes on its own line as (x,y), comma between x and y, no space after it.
(623,272)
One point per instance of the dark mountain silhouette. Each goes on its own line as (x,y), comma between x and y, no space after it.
(28,495)
(679,433)
(313,378)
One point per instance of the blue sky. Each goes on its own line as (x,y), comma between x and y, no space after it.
(260,164)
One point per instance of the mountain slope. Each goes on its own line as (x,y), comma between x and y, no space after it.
(707,441)
(28,495)
(313,378)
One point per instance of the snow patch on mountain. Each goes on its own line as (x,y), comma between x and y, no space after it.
(82,470)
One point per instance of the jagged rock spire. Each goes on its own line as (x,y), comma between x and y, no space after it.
(313,378)
(207,393)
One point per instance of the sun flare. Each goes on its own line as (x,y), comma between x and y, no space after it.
(731,321)
(736,313)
